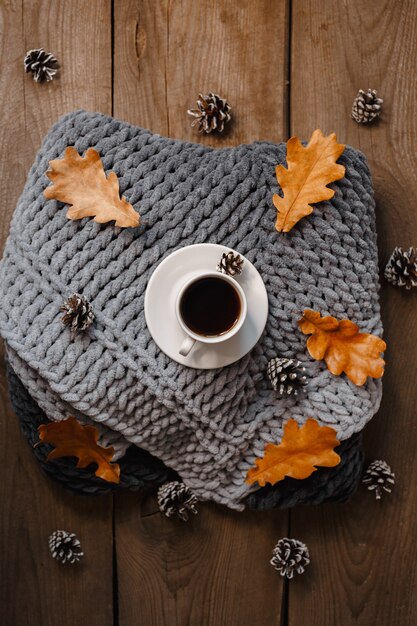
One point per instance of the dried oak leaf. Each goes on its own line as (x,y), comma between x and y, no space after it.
(71,438)
(304,182)
(300,451)
(343,347)
(82,183)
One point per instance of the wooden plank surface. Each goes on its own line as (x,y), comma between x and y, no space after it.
(363,553)
(35,589)
(200,573)
(166,53)
(214,570)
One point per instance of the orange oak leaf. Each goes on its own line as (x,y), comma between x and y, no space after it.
(304,182)
(343,347)
(71,438)
(82,183)
(302,449)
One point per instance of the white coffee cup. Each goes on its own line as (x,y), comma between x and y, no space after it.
(193,337)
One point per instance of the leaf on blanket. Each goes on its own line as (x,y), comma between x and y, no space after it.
(343,347)
(309,170)
(71,438)
(302,449)
(82,183)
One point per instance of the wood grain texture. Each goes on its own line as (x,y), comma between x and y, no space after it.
(141,63)
(363,553)
(200,573)
(167,52)
(210,571)
(35,589)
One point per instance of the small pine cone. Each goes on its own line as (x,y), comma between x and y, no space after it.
(78,313)
(230,264)
(287,376)
(379,478)
(366,106)
(401,269)
(289,556)
(43,65)
(175,498)
(65,547)
(212,113)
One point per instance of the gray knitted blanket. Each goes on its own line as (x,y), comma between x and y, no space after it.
(209,425)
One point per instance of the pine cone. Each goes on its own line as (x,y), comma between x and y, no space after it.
(230,264)
(379,478)
(401,269)
(286,375)
(175,498)
(78,313)
(212,113)
(43,65)
(65,547)
(289,556)
(366,106)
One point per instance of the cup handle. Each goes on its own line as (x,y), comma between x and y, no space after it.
(186,345)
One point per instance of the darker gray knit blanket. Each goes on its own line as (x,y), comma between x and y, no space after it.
(207,425)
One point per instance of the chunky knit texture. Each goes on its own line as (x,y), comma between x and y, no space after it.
(209,426)
(139,469)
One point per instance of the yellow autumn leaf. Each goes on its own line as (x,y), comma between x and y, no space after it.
(82,183)
(301,450)
(304,182)
(71,438)
(343,347)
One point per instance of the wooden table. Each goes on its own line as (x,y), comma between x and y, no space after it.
(287,67)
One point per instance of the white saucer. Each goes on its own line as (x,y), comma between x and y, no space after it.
(160,298)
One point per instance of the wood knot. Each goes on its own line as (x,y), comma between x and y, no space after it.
(140,42)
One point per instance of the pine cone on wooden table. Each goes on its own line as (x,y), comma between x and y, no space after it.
(65,547)
(212,113)
(175,498)
(366,106)
(290,556)
(401,269)
(42,65)
(379,477)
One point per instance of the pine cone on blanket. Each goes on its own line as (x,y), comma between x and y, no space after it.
(78,313)
(287,376)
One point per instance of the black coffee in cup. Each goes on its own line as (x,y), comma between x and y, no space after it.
(210,306)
